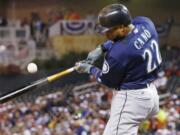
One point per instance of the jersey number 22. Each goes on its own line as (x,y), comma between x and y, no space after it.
(153,56)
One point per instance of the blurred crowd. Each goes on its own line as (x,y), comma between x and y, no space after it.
(86,114)
(169,78)
(55,114)
(39,25)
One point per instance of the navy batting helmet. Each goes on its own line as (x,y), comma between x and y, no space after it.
(114,15)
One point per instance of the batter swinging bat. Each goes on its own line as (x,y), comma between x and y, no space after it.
(6,97)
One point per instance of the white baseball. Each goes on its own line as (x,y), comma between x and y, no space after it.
(32,68)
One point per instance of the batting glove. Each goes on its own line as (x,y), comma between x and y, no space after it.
(94,55)
(98,52)
(83,67)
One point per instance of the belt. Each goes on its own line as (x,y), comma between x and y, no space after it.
(138,87)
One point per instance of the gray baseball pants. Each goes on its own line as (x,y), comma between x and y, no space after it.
(129,108)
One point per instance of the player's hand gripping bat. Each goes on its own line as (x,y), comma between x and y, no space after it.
(10,95)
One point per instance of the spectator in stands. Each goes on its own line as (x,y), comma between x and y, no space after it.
(91,16)
(164,28)
(24,22)
(3,54)
(72,15)
(3,22)
(55,15)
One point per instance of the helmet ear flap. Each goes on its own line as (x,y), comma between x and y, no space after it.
(100,29)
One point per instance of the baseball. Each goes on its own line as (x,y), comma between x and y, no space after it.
(32,68)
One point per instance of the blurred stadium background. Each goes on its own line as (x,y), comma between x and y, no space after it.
(55,34)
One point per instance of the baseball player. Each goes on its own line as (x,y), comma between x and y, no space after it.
(131,63)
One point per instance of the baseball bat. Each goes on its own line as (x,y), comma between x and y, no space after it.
(10,95)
